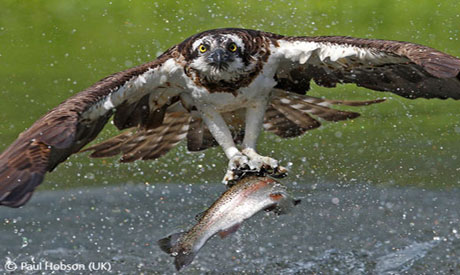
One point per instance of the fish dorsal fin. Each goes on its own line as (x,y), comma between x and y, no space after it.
(232,229)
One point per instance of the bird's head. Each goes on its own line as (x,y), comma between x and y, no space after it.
(220,56)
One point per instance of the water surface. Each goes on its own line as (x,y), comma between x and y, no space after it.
(353,229)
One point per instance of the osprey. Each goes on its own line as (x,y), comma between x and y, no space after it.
(221,87)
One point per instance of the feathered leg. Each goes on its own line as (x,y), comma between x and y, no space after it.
(220,131)
(254,121)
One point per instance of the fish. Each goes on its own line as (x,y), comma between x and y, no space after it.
(248,196)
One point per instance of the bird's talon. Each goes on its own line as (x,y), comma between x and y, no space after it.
(241,165)
(279,172)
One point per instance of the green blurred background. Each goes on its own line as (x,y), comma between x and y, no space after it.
(52,49)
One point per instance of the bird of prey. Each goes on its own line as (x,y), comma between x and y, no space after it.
(221,87)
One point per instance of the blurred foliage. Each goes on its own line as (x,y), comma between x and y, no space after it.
(52,49)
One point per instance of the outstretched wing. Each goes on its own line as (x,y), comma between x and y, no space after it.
(406,69)
(138,97)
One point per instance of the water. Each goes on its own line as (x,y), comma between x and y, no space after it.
(353,229)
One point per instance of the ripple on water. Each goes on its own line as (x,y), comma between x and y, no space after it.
(335,230)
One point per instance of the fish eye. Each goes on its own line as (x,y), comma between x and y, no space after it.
(232,47)
(202,48)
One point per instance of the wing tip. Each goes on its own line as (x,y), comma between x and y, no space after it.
(20,194)
(17,202)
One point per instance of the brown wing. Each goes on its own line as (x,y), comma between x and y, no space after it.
(291,115)
(406,69)
(136,96)
(142,143)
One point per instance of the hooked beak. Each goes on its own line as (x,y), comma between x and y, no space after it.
(219,58)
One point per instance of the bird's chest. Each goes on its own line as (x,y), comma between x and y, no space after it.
(243,97)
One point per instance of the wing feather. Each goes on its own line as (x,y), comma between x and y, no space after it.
(142,143)
(291,115)
(407,69)
(67,128)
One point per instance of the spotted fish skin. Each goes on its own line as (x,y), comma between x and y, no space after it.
(247,197)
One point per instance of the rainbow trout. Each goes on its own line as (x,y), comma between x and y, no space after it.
(240,202)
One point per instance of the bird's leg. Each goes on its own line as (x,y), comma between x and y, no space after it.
(219,130)
(254,121)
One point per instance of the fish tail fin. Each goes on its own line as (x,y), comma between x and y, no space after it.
(170,243)
(183,256)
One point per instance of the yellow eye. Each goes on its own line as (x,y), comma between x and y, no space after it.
(202,48)
(232,47)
